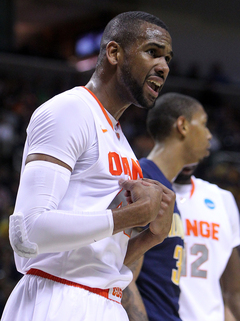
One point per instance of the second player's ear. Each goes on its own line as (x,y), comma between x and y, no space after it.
(182,125)
(112,52)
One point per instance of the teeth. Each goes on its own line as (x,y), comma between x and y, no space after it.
(155,83)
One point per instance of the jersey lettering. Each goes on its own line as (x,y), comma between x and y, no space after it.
(205,229)
(201,252)
(136,170)
(115,167)
(177,255)
(176,227)
(126,167)
(195,266)
(177,231)
(117,292)
(119,165)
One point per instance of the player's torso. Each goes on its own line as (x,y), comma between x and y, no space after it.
(207,250)
(94,189)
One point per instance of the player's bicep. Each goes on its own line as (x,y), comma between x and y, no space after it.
(47,158)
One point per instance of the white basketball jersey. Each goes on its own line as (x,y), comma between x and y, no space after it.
(211,223)
(71,127)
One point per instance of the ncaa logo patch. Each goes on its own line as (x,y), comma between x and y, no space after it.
(210,204)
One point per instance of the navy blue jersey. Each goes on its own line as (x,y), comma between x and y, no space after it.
(158,281)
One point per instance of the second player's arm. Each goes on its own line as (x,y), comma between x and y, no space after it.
(132,300)
(138,245)
(230,282)
(156,232)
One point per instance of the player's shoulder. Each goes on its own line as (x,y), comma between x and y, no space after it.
(68,109)
(72,103)
(211,187)
(199,182)
(76,99)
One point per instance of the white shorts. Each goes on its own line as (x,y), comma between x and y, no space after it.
(38,299)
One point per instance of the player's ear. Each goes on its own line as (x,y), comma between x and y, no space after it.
(182,125)
(113,52)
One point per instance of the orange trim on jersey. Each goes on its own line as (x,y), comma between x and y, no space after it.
(126,234)
(103,109)
(117,292)
(193,188)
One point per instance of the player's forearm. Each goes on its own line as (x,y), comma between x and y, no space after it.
(230,282)
(132,215)
(233,302)
(133,304)
(58,232)
(37,225)
(144,203)
(140,244)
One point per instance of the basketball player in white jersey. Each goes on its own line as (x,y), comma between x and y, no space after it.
(71,226)
(211,223)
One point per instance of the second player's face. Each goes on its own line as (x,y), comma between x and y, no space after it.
(199,136)
(145,66)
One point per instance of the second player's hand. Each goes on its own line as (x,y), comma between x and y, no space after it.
(161,226)
(144,199)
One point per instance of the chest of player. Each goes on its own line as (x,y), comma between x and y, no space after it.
(206,220)
(115,159)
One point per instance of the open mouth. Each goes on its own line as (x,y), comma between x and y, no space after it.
(155,86)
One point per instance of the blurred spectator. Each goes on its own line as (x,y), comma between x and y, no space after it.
(7,136)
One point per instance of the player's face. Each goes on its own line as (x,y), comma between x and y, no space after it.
(145,65)
(184,177)
(198,138)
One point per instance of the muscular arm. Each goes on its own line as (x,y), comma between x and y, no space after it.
(131,300)
(37,225)
(228,314)
(231,284)
(156,232)
(47,158)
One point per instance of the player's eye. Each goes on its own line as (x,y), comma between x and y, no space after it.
(168,59)
(152,52)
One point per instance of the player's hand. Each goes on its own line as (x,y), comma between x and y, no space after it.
(161,226)
(148,194)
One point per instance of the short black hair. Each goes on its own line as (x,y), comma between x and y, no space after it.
(166,111)
(124,29)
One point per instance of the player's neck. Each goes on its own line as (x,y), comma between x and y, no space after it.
(108,97)
(167,159)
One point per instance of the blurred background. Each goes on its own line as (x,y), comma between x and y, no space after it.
(48,46)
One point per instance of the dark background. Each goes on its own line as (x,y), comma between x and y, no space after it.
(47,46)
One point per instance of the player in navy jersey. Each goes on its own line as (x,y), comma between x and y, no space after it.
(178,126)
(164,292)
